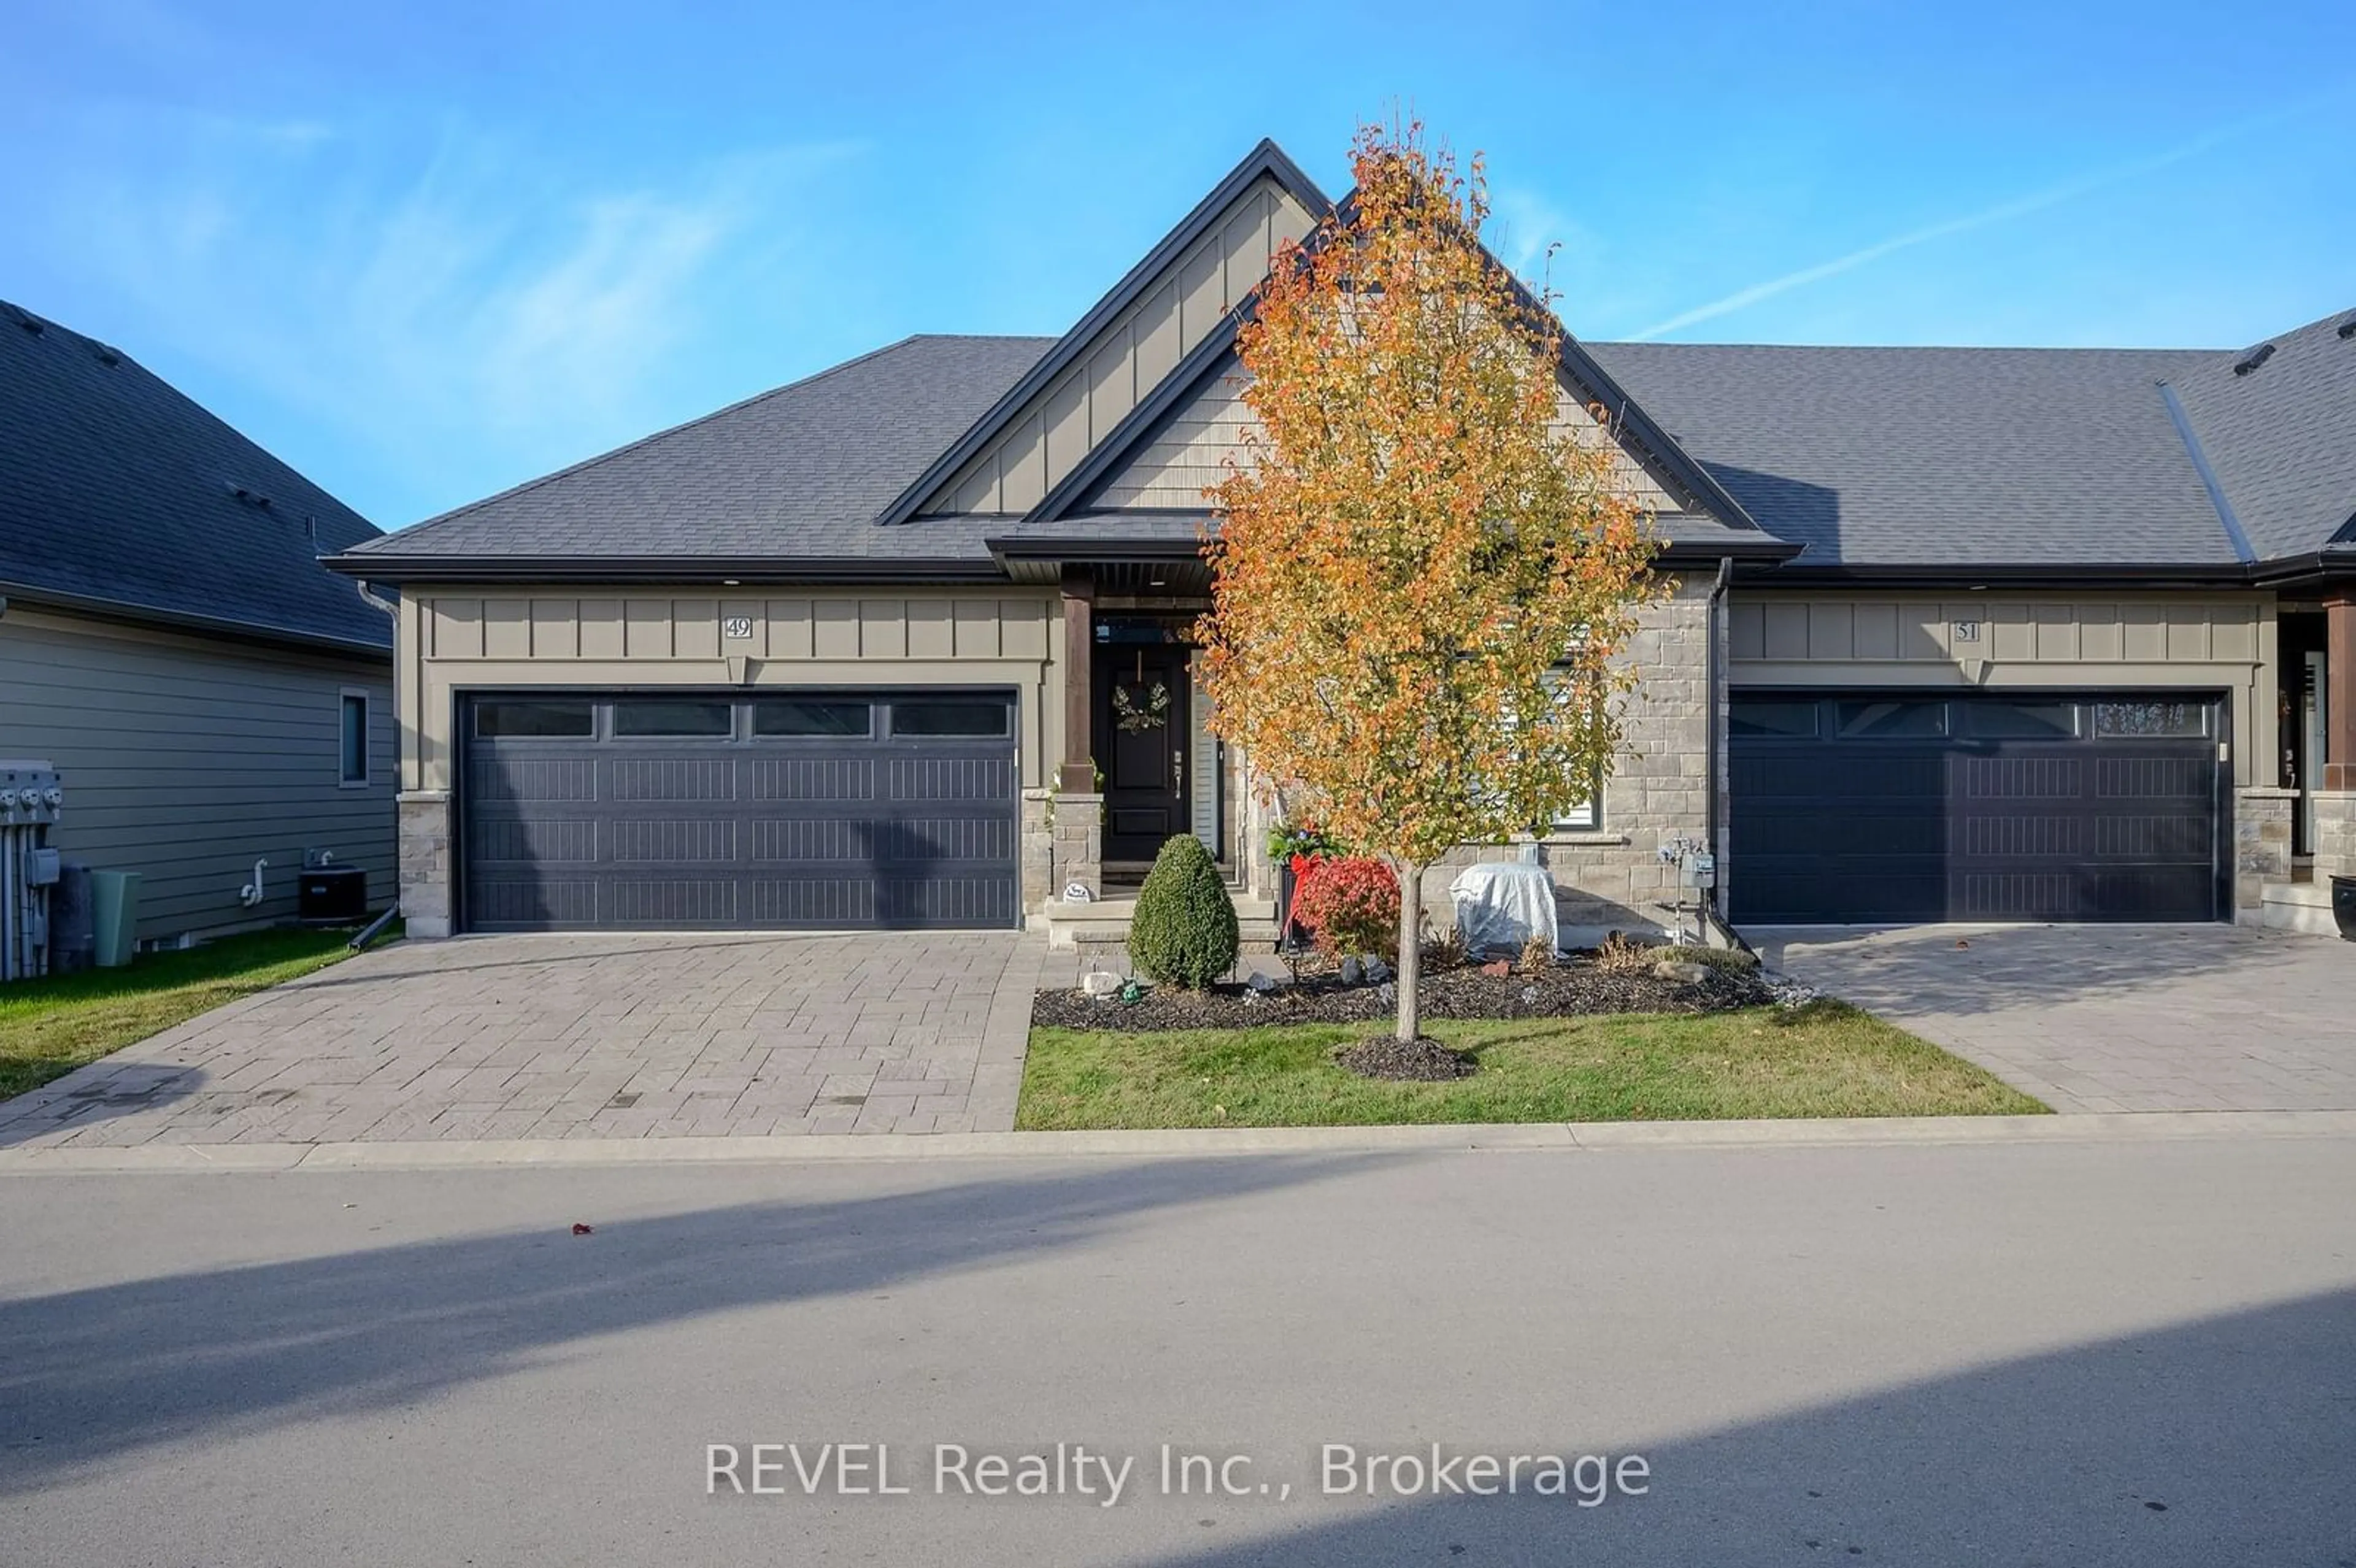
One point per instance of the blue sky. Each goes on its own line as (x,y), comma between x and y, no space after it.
(429,251)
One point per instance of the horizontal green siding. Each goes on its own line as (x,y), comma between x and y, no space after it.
(187,760)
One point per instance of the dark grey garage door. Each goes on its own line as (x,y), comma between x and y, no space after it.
(777,812)
(1862,807)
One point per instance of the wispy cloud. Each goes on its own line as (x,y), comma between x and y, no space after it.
(455,302)
(2002,212)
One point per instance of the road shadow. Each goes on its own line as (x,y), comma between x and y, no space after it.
(2232,1440)
(88,1373)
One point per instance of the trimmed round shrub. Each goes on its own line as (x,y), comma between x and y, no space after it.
(1185,928)
(1352,906)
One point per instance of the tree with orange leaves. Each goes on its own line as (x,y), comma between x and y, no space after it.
(1427,560)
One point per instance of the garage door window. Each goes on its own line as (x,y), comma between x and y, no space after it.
(2151,720)
(643,719)
(941,718)
(2023,720)
(784,716)
(533,721)
(1777,721)
(1890,720)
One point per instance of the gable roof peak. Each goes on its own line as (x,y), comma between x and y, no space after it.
(1265,161)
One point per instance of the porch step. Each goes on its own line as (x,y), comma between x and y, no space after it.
(1104,923)
(2304,907)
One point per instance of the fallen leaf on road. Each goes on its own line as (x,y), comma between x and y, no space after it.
(580,1230)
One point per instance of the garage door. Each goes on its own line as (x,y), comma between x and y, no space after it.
(1864,807)
(817,811)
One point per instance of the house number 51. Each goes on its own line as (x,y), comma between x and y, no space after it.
(736,627)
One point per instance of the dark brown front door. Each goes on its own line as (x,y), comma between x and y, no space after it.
(1141,743)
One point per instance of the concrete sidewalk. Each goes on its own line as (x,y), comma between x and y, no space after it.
(1183,1143)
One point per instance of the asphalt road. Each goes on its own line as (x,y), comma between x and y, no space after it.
(2135,1353)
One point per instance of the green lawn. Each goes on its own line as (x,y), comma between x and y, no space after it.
(1823,1059)
(49,1028)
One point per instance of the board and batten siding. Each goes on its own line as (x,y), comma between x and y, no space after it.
(2220,642)
(187,759)
(1128,359)
(460,640)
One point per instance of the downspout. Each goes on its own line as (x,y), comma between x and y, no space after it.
(361,585)
(392,611)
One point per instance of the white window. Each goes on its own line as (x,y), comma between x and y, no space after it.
(1587,816)
(352,749)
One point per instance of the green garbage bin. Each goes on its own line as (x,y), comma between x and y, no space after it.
(114,900)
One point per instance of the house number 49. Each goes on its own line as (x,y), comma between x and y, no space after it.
(736,627)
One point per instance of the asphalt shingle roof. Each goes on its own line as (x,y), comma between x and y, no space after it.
(1940,457)
(1931,457)
(799,472)
(116,489)
(2282,438)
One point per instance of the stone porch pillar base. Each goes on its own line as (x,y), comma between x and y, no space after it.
(2335,833)
(1078,849)
(2262,817)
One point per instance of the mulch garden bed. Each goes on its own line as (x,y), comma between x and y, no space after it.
(1570,986)
(1422,1059)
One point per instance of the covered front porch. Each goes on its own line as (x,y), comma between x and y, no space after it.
(2300,833)
(1139,764)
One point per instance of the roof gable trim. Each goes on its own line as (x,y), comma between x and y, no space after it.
(1265,161)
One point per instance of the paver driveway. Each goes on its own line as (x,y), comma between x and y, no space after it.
(580,1036)
(2110,1017)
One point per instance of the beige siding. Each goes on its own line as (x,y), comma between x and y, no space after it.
(458,640)
(188,759)
(1194,450)
(1130,358)
(2218,641)
(1190,454)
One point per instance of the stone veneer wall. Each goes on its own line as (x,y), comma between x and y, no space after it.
(425,862)
(2335,833)
(1611,877)
(2262,819)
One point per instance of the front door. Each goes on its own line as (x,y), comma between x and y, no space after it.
(1140,742)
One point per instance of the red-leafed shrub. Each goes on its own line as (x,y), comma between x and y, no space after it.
(1350,905)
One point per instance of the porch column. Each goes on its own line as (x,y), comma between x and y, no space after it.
(2335,802)
(2340,697)
(1078,774)
(1076,836)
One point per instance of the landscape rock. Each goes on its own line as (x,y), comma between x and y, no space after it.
(1262,984)
(1376,971)
(1500,967)
(1681,971)
(1100,983)
(1352,970)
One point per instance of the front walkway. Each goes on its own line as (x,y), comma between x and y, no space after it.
(605,1035)
(2109,1018)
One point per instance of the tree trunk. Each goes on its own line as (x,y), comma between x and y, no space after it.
(1410,948)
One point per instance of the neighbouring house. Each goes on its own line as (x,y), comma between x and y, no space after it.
(210,695)
(1996,635)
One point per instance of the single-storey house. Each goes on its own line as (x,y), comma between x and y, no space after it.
(210,695)
(1996,635)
